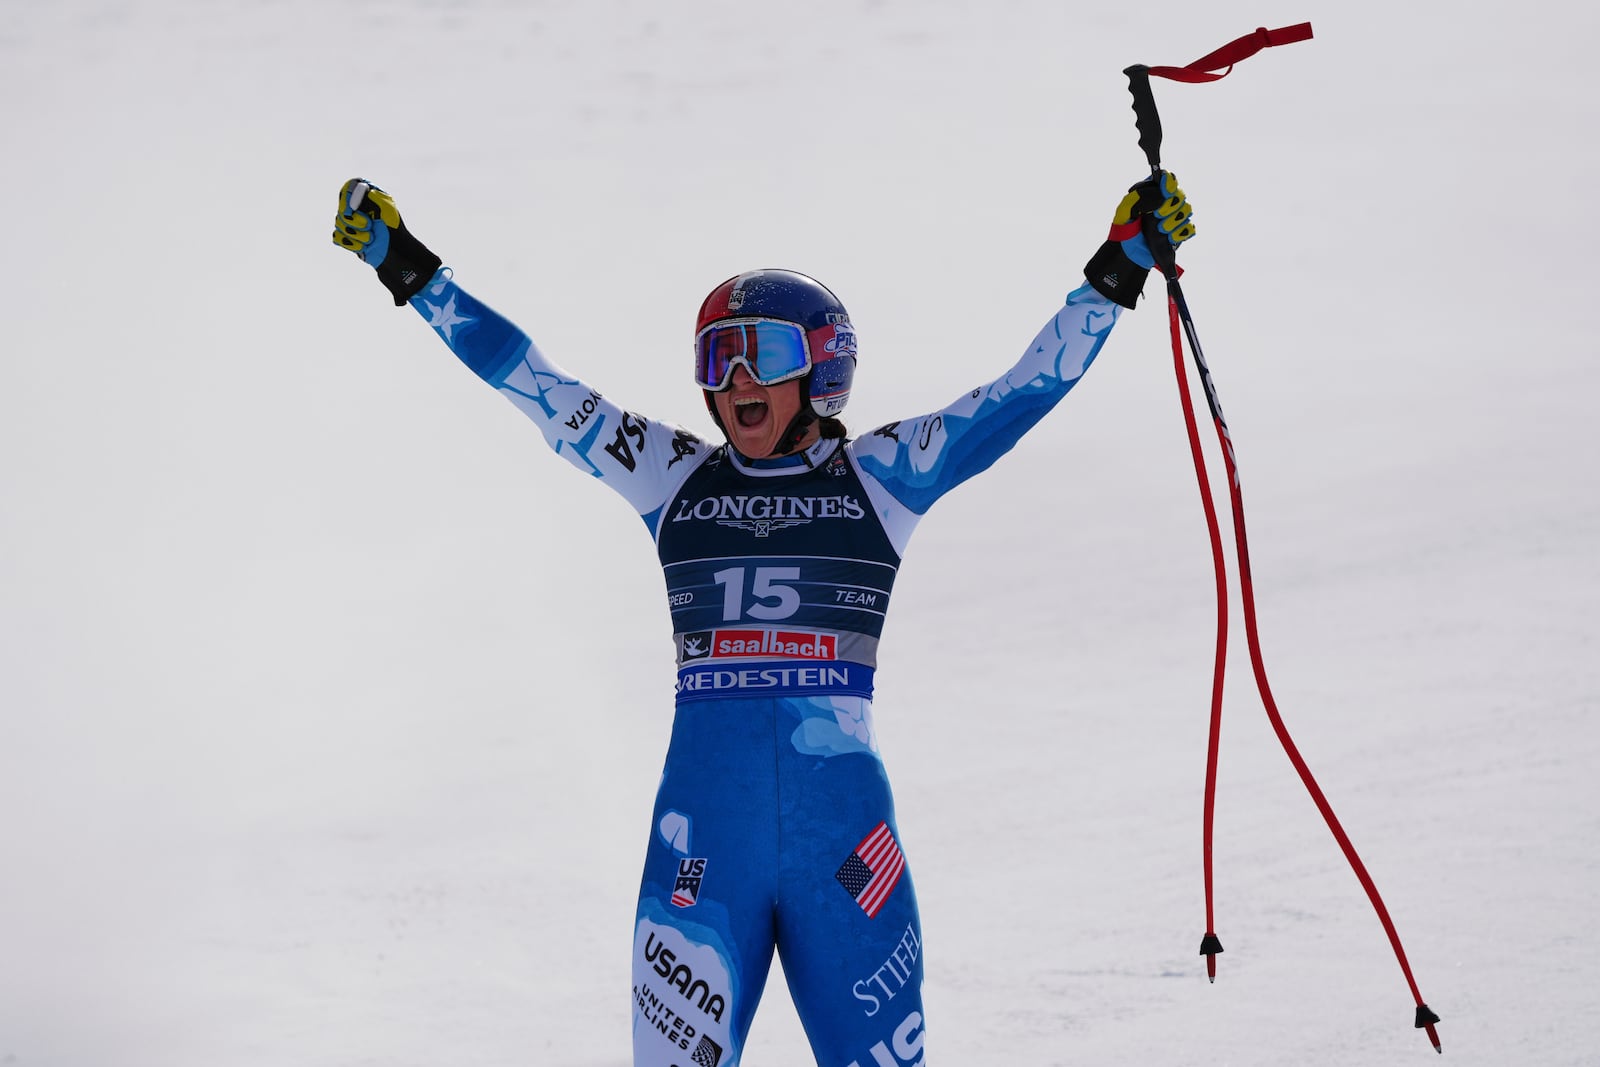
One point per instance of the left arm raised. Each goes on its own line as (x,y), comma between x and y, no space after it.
(916,461)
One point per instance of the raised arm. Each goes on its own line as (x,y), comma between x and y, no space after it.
(641,459)
(918,460)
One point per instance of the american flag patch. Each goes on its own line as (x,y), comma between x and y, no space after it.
(873,870)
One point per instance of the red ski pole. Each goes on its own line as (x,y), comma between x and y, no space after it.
(1148,122)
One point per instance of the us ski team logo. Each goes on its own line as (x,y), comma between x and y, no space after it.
(686,891)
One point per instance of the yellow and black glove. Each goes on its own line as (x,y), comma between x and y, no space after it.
(369,224)
(1153,219)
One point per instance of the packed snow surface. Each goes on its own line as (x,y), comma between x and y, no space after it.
(332,704)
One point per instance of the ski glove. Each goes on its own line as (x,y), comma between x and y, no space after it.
(1155,210)
(369,225)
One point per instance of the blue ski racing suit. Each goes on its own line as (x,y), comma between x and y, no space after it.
(774,828)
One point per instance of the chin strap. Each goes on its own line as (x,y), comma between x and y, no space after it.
(711,406)
(798,427)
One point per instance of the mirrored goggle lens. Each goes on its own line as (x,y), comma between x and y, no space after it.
(772,351)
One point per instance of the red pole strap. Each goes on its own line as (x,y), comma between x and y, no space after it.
(1204,68)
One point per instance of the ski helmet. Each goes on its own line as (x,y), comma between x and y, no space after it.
(787,296)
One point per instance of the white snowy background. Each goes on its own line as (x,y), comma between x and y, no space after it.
(332,704)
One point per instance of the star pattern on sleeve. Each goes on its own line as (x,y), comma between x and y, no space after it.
(444,318)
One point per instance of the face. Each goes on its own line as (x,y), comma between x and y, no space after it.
(755,416)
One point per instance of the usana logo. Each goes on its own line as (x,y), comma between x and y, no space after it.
(678,975)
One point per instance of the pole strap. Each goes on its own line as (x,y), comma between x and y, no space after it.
(1206,67)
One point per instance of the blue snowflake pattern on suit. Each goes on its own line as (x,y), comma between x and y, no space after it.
(774,827)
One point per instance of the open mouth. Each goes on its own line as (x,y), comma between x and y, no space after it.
(750,411)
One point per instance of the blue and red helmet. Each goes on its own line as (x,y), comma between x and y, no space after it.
(781,325)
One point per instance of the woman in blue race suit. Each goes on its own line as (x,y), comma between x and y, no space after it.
(774,827)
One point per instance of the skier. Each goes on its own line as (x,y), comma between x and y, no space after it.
(773,825)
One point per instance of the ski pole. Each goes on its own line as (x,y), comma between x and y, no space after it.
(1148,122)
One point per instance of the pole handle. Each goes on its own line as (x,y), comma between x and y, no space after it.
(1145,116)
(1148,120)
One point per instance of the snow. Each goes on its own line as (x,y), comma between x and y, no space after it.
(332,704)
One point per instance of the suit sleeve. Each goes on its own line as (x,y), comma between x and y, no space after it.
(916,461)
(643,460)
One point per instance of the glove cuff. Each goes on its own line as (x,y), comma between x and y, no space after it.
(1115,276)
(407,267)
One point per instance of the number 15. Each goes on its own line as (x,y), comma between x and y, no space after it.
(773,600)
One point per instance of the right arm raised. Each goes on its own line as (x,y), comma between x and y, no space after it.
(643,460)
(640,458)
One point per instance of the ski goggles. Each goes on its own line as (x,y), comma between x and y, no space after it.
(771,350)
